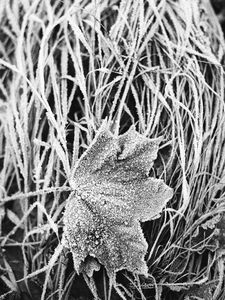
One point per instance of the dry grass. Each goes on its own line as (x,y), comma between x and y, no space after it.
(64,67)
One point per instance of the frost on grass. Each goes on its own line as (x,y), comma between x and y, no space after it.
(113,193)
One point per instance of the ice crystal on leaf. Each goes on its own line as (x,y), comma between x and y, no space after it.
(112,194)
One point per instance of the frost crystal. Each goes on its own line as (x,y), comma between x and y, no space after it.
(113,193)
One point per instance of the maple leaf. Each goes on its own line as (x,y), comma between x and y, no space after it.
(113,193)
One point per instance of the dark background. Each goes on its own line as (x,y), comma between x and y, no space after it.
(219,7)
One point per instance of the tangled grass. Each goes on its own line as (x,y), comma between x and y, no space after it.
(64,67)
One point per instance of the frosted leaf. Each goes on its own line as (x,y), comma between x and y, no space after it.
(89,266)
(113,193)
